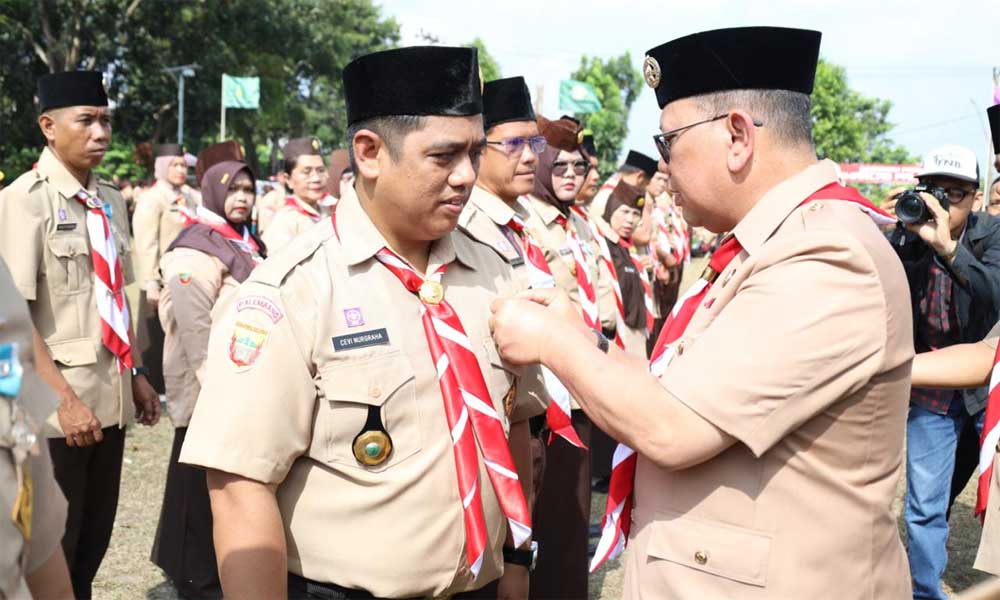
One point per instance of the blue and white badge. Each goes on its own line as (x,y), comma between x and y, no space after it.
(10,370)
(107,209)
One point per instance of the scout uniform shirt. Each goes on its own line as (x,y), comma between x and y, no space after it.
(43,238)
(485,219)
(195,282)
(320,339)
(27,543)
(288,223)
(268,205)
(802,351)
(158,220)
(988,557)
(552,238)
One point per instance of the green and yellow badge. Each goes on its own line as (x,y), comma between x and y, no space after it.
(246,344)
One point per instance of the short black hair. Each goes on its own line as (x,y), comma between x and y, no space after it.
(784,113)
(392,129)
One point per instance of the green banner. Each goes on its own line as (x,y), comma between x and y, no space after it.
(578,97)
(240,92)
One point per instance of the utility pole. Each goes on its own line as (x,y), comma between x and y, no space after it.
(179,73)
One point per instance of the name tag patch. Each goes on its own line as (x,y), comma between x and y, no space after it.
(65,226)
(362,339)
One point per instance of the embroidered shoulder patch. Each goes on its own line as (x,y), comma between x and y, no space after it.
(261,304)
(246,344)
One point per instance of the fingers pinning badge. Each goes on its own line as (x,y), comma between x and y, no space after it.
(372,446)
(651,72)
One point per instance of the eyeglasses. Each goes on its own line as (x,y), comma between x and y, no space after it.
(956,195)
(580,167)
(515,145)
(664,140)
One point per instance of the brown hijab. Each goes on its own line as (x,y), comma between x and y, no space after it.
(629,281)
(215,187)
(561,134)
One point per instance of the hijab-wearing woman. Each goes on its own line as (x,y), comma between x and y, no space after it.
(306,178)
(623,212)
(160,214)
(202,269)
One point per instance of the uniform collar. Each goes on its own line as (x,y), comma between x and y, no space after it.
(52,169)
(361,240)
(546,211)
(493,207)
(304,205)
(774,206)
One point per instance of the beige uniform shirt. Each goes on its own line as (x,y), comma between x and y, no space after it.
(288,224)
(316,336)
(43,238)
(485,219)
(20,556)
(988,557)
(802,352)
(157,222)
(268,205)
(195,283)
(552,238)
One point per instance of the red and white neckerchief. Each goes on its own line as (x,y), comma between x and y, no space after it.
(618,513)
(616,290)
(244,242)
(109,285)
(329,202)
(558,415)
(584,284)
(293,203)
(466,402)
(988,439)
(647,287)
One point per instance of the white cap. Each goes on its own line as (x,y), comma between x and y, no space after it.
(957,162)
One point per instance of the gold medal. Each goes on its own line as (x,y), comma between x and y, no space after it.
(431,292)
(651,72)
(372,448)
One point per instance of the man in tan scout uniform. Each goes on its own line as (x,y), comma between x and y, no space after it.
(306,176)
(769,448)
(333,449)
(161,213)
(49,219)
(32,508)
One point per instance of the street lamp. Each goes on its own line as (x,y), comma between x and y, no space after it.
(179,73)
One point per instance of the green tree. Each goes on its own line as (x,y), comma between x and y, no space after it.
(849,126)
(487,64)
(617,84)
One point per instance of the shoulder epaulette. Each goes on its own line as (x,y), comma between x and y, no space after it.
(277,266)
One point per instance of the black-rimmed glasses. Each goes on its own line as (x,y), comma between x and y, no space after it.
(664,140)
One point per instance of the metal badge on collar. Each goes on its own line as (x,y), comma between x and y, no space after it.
(651,72)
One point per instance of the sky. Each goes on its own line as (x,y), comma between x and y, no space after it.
(933,60)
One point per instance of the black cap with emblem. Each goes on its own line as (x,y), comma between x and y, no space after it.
(71,88)
(993,113)
(647,164)
(505,101)
(419,81)
(741,58)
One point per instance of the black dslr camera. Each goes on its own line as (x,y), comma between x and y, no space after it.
(910,207)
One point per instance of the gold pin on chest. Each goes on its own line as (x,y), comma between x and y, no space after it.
(431,292)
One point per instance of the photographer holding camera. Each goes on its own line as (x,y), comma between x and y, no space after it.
(952,261)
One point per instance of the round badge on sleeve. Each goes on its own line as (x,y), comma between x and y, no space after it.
(651,72)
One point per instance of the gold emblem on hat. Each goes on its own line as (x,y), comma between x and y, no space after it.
(579,137)
(315,144)
(431,292)
(372,448)
(640,201)
(651,71)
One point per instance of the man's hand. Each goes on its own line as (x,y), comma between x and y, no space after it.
(146,400)
(153,294)
(937,232)
(889,204)
(513,584)
(77,421)
(522,325)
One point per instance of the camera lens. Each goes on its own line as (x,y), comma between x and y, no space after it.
(910,208)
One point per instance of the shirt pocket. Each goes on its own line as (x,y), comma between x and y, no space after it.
(68,271)
(350,388)
(712,547)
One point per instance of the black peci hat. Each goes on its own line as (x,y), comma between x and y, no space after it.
(420,80)
(506,100)
(993,113)
(742,58)
(639,160)
(71,88)
(587,145)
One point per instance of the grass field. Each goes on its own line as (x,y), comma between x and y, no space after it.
(127,572)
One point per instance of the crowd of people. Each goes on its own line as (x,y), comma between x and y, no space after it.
(402,371)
